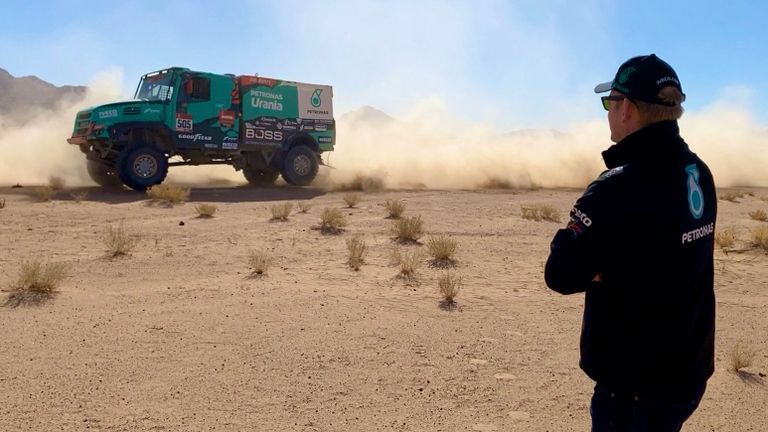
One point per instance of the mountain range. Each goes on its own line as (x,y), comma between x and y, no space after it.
(19,95)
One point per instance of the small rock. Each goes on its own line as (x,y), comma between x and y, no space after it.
(181,223)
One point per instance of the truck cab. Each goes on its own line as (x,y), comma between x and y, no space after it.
(262,126)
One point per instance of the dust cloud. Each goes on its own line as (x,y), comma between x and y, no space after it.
(36,149)
(426,147)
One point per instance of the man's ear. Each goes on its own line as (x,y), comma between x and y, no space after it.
(628,111)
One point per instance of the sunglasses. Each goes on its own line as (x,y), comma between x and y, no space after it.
(606,100)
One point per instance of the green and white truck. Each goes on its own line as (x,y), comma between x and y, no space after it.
(262,126)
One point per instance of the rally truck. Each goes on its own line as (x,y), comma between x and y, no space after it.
(262,126)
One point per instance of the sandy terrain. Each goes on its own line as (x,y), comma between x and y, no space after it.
(178,337)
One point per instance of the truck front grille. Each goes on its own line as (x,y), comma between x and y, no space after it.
(134,110)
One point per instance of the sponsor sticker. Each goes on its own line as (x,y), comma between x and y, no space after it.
(229,143)
(227,118)
(184,122)
(108,113)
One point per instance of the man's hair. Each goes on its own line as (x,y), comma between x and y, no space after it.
(652,113)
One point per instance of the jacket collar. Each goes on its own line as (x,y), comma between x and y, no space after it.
(652,141)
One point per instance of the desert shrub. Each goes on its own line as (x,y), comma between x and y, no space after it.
(409,262)
(725,238)
(206,210)
(37,276)
(409,229)
(760,238)
(759,215)
(395,208)
(43,193)
(56,183)
(2,204)
(357,252)
(259,262)
(443,250)
(539,212)
(731,196)
(118,241)
(168,193)
(741,357)
(351,199)
(304,206)
(78,196)
(280,212)
(449,285)
(332,221)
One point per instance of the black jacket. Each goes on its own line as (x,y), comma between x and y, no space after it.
(646,227)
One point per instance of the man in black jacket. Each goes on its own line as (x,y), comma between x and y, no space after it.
(640,243)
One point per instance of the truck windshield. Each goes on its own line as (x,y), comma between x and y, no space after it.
(155,86)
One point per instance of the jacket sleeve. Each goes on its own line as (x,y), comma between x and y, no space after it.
(575,252)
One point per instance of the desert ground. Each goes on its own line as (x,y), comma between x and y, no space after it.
(179,335)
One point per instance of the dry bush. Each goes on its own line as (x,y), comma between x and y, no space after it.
(731,196)
(2,204)
(168,193)
(357,252)
(118,241)
(332,221)
(206,210)
(304,206)
(725,238)
(759,215)
(442,249)
(449,285)
(395,208)
(56,183)
(351,199)
(37,282)
(43,193)
(280,212)
(539,212)
(78,196)
(760,238)
(408,261)
(37,276)
(259,262)
(741,357)
(408,230)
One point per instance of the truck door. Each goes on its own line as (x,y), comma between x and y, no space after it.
(206,112)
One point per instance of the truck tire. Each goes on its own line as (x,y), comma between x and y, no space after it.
(257,177)
(140,167)
(102,175)
(300,166)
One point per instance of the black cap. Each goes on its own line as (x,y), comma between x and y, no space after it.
(642,78)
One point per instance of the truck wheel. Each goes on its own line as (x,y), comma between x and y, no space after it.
(142,166)
(102,175)
(300,166)
(257,177)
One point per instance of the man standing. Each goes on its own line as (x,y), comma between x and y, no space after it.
(640,243)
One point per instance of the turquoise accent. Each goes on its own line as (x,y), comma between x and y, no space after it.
(695,194)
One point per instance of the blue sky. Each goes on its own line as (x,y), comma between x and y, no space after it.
(512,64)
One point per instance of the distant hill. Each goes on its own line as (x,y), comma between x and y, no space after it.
(22,94)
(367,115)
